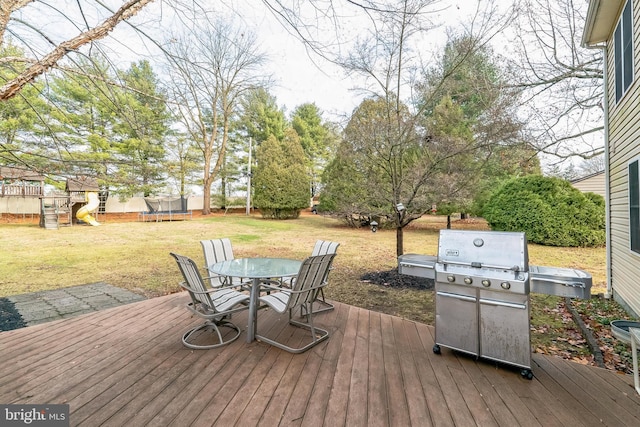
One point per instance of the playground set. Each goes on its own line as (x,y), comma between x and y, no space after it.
(81,200)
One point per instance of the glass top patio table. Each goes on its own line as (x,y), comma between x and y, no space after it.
(256,269)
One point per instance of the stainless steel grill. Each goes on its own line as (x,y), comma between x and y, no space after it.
(482,285)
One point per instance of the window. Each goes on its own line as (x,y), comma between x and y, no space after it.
(623,43)
(634,206)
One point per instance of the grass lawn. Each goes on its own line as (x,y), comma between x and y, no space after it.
(135,256)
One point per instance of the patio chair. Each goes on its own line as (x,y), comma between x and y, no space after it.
(214,305)
(218,250)
(304,290)
(322,247)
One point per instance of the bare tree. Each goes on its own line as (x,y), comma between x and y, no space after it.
(408,165)
(212,66)
(560,80)
(592,165)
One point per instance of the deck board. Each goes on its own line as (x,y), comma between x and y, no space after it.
(435,398)
(378,398)
(127,366)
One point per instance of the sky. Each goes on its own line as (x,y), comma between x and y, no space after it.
(303,77)
(299,77)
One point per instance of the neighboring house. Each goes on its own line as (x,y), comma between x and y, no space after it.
(593,183)
(614,27)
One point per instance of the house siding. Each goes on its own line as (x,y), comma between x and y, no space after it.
(591,184)
(624,146)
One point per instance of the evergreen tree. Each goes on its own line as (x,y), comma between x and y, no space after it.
(317,139)
(142,124)
(83,116)
(281,185)
(22,120)
(111,126)
(261,116)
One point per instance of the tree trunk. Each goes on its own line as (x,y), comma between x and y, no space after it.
(223,193)
(206,202)
(206,195)
(399,241)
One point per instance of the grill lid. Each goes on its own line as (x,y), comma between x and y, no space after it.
(504,250)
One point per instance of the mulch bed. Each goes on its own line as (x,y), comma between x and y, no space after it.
(392,279)
(9,317)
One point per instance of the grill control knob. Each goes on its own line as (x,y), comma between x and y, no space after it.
(468,280)
(486,283)
(451,279)
(505,285)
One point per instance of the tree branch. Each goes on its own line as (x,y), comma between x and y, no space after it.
(12,87)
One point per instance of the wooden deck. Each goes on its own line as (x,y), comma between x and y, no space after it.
(127,366)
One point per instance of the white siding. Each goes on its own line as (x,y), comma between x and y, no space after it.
(591,184)
(19,205)
(624,144)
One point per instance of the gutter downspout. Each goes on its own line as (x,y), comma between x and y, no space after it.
(607,166)
(607,181)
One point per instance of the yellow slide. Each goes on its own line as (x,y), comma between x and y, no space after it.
(84,213)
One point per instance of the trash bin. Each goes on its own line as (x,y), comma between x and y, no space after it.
(620,329)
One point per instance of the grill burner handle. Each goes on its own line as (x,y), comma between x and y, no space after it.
(413,264)
(476,264)
(564,283)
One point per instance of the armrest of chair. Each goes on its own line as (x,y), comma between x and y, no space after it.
(289,290)
(208,291)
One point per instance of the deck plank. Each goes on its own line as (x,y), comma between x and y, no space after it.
(314,415)
(398,408)
(416,401)
(378,399)
(302,393)
(555,397)
(29,364)
(423,353)
(602,406)
(127,366)
(358,390)
(507,406)
(337,405)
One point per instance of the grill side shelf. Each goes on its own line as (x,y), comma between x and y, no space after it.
(562,282)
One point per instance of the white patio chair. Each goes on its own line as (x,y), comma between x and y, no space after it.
(322,247)
(214,305)
(304,290)
(218,250)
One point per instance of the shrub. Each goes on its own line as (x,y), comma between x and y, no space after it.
(549,210)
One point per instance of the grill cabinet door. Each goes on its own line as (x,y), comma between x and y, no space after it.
(457,317)
(505,328)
